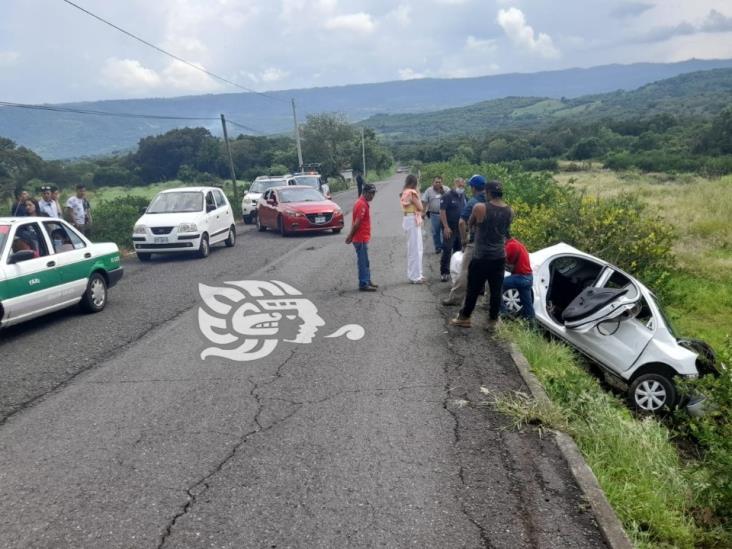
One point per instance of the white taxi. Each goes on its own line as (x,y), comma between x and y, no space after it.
(46,265)
(185,219)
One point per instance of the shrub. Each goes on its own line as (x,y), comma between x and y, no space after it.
(114,219)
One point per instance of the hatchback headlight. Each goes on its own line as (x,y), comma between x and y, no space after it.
(294,213)
(187,228)
(139,229)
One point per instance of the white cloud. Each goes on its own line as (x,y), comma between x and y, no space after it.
(513,23)
(186,78)
(353,22)
(8,58)
(273,74)
(409,74)
(130,75)
(476,44)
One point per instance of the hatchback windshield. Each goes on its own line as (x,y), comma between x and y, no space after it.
(4,232)
(261,186)
(300,195)
(309,180)
(177,202)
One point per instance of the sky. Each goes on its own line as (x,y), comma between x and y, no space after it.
(51,52)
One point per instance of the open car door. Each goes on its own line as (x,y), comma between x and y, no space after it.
(597,304)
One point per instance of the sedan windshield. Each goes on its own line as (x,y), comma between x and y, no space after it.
(309,180)
(4,232)
(261,186)
(300,195)
(177,202)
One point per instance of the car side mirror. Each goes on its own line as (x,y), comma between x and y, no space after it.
(142,210)
(210,207)
(21,255)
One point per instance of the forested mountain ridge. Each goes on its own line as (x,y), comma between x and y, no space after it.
(68,135)
(697,94)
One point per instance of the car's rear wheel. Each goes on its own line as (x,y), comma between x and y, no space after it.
(143,256)
(247,219)
(95,296)
(651,393)
(231,240)
(336,231)
(260,226)
(281,226)
(204,248)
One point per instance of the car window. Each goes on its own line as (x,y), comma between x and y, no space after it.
(29,237)
(300,195)
(176,202)
(210,200)
(309,180)
(220,199)
(62,239)
(619,281)
(4,232)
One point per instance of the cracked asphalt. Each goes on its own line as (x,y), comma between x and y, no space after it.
(114,433)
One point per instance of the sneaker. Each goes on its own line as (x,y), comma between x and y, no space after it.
(422,280)
(438,251)
(460,321)
(372,285)
(366,289)
(444,277)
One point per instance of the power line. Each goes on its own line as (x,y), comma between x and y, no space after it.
(176,57)
(55,108)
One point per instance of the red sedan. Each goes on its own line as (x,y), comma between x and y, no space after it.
(297,208)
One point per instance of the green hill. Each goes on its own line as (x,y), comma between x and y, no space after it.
(697,94)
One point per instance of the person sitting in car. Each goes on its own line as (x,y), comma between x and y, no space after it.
(61,241)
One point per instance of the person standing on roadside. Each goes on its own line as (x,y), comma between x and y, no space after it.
(47,205)
(78,210)
(360,235)
(431,200)
(459,288)
(56,195)
(492,223)
(18,209)
(451,206)
(359,182)
(521,278)
(412,225)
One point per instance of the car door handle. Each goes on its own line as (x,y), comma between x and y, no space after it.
(87,255)
(51,264)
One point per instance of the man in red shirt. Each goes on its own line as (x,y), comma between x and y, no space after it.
(360,236)
(521,279)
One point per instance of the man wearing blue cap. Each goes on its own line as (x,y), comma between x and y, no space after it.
(457,292)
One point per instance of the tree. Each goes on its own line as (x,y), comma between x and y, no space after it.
(160,157)
(328,139)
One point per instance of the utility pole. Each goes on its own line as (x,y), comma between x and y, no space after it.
(231,160)
(297,136)
(363,153)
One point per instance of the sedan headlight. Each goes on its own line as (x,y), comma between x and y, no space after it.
(337,211)
(139,229)
(187,228)
(294,213)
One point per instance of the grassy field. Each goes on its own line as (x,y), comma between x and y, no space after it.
(699,299)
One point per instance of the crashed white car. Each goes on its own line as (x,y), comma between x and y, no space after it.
(616,321)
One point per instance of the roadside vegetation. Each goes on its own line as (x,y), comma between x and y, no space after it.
(669,479)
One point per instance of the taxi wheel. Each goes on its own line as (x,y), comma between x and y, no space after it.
(143,256)
(231,240)
(95,297)
(204,249)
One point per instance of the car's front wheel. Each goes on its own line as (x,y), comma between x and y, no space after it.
(512,302)
(260,227)
(281,226)
(337,231)
(204,248)
(231,240)
(651,393)
(95,296)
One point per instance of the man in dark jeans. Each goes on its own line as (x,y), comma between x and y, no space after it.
(451,205)
(359,183)
(492,222)
(521,279)
(360,235)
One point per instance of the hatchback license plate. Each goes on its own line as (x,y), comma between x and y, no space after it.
(320,219)
(161,240)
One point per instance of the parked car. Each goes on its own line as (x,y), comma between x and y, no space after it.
(186,219)
(616,321)
(250,200)
(313,179)
(297,209)
(47,265)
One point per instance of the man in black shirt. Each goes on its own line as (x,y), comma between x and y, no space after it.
(452,204)
(359,182)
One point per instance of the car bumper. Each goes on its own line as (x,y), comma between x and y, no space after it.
(249,210)
(299,224)
(115,276)
(175,243)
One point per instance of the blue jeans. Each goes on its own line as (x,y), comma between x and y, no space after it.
(523,284)
(362,255)
(436,231)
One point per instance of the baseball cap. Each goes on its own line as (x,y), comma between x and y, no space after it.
(45,188)
(477,182)
(369,188)
(494,187)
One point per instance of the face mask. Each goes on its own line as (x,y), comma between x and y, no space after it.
(460,190)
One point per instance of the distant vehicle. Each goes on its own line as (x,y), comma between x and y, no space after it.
(186,219)
(313,179)
(251,198)
(298,209)
(46,265)
(616,321)
(402,169)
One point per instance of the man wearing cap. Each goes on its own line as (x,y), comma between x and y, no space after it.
(457,292)
(47,205)
(360,235)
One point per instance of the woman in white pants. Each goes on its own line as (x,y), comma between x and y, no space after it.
(412,225)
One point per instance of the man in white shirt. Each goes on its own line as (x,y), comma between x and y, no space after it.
(431,200)
(78,210)
(47,205)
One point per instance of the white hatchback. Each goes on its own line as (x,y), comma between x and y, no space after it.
(187,219)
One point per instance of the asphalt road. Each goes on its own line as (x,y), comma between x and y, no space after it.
(116,433)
